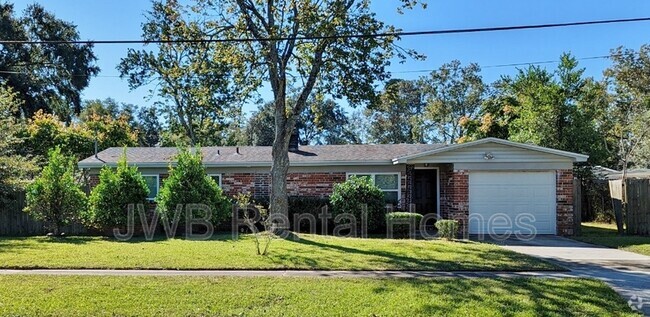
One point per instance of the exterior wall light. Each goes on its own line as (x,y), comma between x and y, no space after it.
(488,156)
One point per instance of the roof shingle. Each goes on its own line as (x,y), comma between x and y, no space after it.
(261,155)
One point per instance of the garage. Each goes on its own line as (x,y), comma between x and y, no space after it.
(512,202)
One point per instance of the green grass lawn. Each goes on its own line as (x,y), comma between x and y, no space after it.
(32,295)
(310,252)
(606,234)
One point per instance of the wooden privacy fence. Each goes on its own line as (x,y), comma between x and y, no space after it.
(637,219)
(15,222)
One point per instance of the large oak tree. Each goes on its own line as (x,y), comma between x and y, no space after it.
(297,45)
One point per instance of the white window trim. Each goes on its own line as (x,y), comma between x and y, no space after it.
(220,177)
(157,176)
(372,176)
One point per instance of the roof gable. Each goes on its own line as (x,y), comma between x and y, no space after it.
(508,151)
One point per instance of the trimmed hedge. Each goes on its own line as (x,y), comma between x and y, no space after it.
(401,222)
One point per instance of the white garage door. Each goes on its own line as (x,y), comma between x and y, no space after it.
(511,202)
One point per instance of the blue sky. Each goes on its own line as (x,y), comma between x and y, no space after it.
(121,19)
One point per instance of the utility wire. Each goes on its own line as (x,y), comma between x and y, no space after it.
(396,72)
(341,36)
(512,64)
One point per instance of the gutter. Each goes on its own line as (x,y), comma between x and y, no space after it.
(83,165)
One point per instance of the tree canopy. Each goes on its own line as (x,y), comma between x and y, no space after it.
(48,77)
(323,121)
(297,46)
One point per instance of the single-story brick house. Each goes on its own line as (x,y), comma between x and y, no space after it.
(476,179)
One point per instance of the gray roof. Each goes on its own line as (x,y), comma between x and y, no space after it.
(358,154)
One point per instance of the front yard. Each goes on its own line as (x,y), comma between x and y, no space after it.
(310,252)
(202,296)
(606,234)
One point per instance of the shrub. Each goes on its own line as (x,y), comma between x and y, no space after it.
(55,197)
(117,189)
(447,229)
(300,205)
(351,195)
(262,239)
(401,222)
(188,183)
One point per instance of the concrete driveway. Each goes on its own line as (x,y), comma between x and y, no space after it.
(626,272)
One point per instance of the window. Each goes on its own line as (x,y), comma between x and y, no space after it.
(152,183)
(217,178)
(389,183)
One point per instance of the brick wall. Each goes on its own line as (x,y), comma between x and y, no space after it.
(564,198)
(298,184)
(313,184)
(454,192)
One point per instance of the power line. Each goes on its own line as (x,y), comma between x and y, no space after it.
(512,64)
(374,35)
(396,72)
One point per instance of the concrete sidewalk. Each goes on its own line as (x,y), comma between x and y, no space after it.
(626,272)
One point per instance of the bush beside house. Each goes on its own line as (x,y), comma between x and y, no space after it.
(447,229)
(402,223)
(352,195)
(188,183)
(55,197)
(117,189)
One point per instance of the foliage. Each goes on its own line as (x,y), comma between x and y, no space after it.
(48,77)
(453,94)
(15,168)
(403,222)
(149,127)
(321,122)
(112,132)
(244,202)
(117,189)
(308,57)
(398,115)
(188,183)
(560,109)
(108,107)
(447,229)
(195,83)
(303,206)
(55,197)
(46,131)
(629,80)
(356,195)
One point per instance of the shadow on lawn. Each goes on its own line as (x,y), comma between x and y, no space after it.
(473,259)
(507,297)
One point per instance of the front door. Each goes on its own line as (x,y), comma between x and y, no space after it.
(425,193)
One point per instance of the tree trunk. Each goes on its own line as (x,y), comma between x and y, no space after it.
(279,169)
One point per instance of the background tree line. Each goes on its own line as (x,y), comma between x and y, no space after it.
(202,88)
